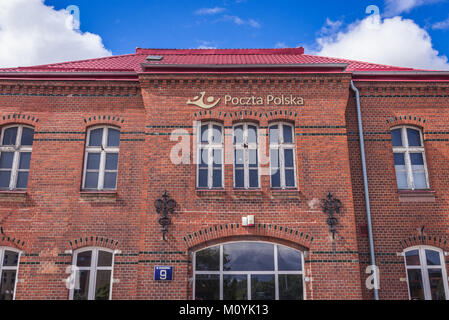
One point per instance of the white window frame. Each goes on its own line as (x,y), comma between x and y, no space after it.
(276,272)
(406,150)
(93,268)
(102,150)
(245,146)
(210,146)
(423,267)
(17,149)
(282,146)
(13,268)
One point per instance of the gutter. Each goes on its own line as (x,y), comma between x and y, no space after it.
(365,185)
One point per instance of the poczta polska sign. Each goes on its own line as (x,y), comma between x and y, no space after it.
(268,100)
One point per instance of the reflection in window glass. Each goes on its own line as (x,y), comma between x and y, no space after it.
(289,259)
(235,257)
(415,284)
(262,287)
(9,262)
(207,287)
(210,157)
(290,287)
(208,259)
(235,287)
(282,156)
(103,285)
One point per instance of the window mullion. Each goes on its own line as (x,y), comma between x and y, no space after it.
(282,166)
(14,170)
(210,166)
(102,169)
(93,274)
(408,165)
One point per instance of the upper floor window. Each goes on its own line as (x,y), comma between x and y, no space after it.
(93,267)
(101,159)
(9,264)
(409,158)
(246,156)
(426,273)
(16,144)
(282,156)
(210,173)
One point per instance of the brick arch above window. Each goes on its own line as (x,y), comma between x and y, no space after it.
(12,242)
(19,119)
(410,120)
(93,241)
(427,240)
(248,115)
(106,120)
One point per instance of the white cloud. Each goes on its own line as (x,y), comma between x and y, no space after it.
(442,25)
(238,21)
(206,45)
(396,7)
(280,45)
(209,11)
(396,41)
(32,33)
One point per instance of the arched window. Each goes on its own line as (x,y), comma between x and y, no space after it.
(248,271)
(246,156)
(210,173)
(409,158)
(9,264)
(426,273)
(93,269)
(282,156)
(101,158)
(16,144)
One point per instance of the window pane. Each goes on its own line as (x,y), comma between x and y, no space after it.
(110,180)
(290,287)
(239,179)
(239,158)
(10,136)
(275,178)
(93,161)
(416,159)
(419,179)
(25,158)
(252,134)
(5,177)
(7,284)
(204,158)
(290,178)
(288,134)
(103,285)
(111,161)
(104,259)
(202,178)
(235,287)
(217,134)
(433,258)
(27,137)
(254,178)
(248,256)
(414,138)
(22,180)
(396,136)
(6,160)
(217,154)
(113,137)
(253,159)
(238,134)
(288,154)
(208,259)
(91,180)
(274,158)
(217,179)
(84,259)
(274,134)
(289,259)
(412,258)
(82,292)
(207,287)
(415,284)
(436,284)
(96,137)
(399,159)
(10,259)
(262,287)
(401,177)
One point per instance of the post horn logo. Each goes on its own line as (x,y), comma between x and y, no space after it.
(199,101)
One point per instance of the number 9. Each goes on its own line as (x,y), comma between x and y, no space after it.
(163,274)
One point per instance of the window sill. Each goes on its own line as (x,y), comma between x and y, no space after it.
(98,196)
(13,195)
(416,196)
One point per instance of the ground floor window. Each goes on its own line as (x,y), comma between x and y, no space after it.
(426,273)
(248,271)
(9,263)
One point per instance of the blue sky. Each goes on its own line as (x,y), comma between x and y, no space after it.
(409,33)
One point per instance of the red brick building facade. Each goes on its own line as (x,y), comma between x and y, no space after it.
(74,202)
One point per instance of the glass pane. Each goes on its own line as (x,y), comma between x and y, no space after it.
(399,159)
(248,256)
(10,136)
(7,284)
(239,179)
(238,134)
(433,258)
(252,134)
(93,161)
(289,259)
(253,158)
(396,136)
(202,178)
(84,259)
(6,160)
(217,155)
(113,138)
(110,180)
(288,154)
(91,180)
(254,178)
(104,259)
(207,287)
(275,178)
(288,134)
(414,138)
(235,287)
(204,158)
(5,177)
(290,178)
(262,287)
(415,284)
(111,161)
(96,137)
(401,177)
(10,259)
(22,180)
(290,287)
(205,133)
(417,159)
(81,292)
(274,158)
(25,158)
(239,158)
(208,259)
(103,285)
(217,179)
(419,179)
(217,134)
(27,137)
(436,284)
(412,258)
(274,134)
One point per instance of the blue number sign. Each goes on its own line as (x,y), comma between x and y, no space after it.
(163,273)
